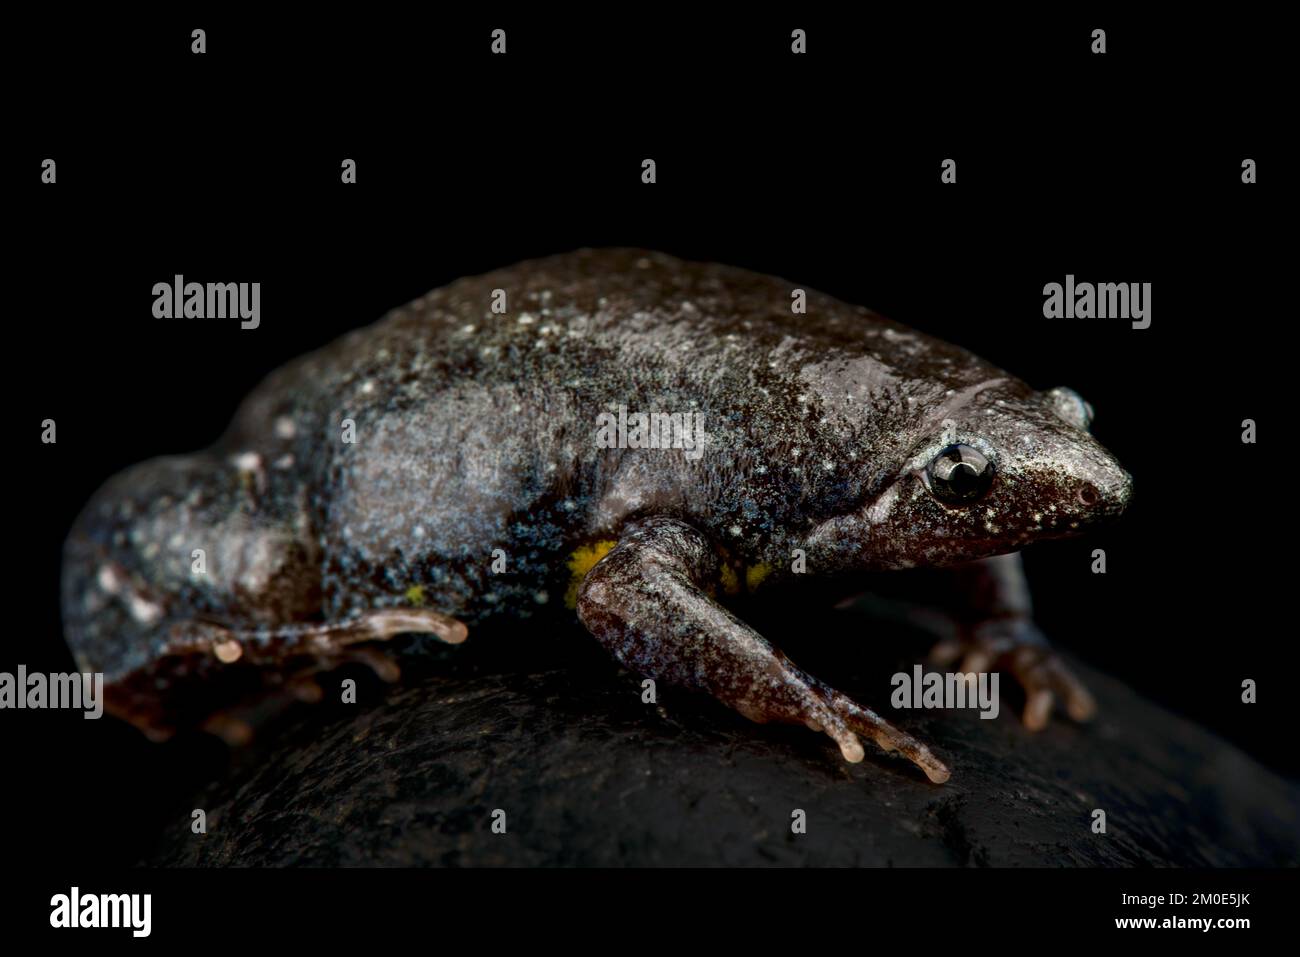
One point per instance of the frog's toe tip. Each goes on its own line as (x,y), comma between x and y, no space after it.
(937,774)
(852,749)
(1081,709)
(1037,710)
(454,633)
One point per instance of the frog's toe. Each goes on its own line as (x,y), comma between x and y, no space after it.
(945,652)
(803,699)
(1047,680)
(1018,646)
(839,731)
(866,722)
(384,623)
(1079,703)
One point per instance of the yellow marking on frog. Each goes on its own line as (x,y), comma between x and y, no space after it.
(582,560)
(755,574)
(415,595)
(730,580)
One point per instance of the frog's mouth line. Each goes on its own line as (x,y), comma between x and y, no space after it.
(843,528)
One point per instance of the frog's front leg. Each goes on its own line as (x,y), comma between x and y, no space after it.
(998,631)
(647,602)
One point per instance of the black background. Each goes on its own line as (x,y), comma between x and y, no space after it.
(823,169)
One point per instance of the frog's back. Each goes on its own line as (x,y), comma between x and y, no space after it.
(572,319)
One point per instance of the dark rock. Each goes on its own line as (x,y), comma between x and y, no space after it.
(588,775)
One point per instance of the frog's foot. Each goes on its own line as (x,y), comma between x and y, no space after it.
(647,602)
(795,697)
(825,709)
(229,680)
(1016,644)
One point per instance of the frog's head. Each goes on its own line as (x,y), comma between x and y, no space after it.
(995,467)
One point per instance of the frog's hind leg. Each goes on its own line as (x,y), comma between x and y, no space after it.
(327,640)
(228,680)
(997,631)
(193,581)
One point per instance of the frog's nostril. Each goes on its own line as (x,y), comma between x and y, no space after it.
(1106,495)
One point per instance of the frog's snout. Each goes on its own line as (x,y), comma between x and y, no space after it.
(1104,492)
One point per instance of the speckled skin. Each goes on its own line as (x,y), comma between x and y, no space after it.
(476,431)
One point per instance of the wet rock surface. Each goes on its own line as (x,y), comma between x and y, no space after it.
(587,774)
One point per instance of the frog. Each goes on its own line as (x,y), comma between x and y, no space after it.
(458,463)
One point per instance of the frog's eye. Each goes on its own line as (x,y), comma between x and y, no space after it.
(959,475)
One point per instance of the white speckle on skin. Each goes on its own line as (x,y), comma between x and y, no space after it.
(526,319)
(108,580)
(467,329)
(247,462)
(144,611)
(284,462)
(367,387)
(736,531)
(285,428)
(541,597)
